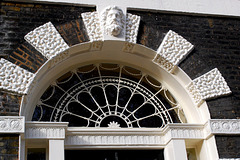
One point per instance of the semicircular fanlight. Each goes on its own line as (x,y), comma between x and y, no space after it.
(108,95)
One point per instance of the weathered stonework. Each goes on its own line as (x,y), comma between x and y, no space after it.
(47,40)
(13,78)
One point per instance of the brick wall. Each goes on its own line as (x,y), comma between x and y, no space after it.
(216,41)
(17,19)
(228,146)
(9,147)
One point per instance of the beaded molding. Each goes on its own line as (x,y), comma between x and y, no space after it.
(14,78)
(210,85)
(174,48)
(47,40)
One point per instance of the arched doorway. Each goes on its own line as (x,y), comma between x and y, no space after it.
(111,69)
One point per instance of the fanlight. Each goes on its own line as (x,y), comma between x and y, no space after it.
(108,95)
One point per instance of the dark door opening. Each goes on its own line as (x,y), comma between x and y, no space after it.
(114,155)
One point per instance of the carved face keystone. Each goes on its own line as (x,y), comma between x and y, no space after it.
(113,22)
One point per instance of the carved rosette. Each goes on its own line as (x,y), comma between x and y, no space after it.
(12,124)
(47,40)
(225,126)
(14,78)
(174,48)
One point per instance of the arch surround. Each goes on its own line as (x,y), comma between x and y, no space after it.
(137,56)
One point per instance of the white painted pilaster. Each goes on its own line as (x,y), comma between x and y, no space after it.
(21,148)
(56,149)
(175,150)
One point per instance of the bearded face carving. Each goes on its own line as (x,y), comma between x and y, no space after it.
(113,21)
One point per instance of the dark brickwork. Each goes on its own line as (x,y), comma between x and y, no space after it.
(73,32)
(216,42)
(9,147)
(228,146)
(17,19)
(27,57)
(9,104)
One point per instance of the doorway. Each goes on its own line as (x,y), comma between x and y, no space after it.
(114,155)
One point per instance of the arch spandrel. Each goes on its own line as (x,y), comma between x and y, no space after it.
(137,56)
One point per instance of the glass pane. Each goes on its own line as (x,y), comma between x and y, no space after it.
(114,155)
(36,154)
(191,154)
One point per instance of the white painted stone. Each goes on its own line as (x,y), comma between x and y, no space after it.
(175,150)
(14,78)
(174,48)
(225,126)
(56,150)
(92,24)
(113,21)
(47,40)
(98,26)
(12,124)
(132,25)
(45,130)
(229,159)
(211,85)
(194,93)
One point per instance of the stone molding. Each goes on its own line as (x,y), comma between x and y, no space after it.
(14,78)
(174,48)
(209,85)
(12,124)
(79,136)
(132,136)
(47,40)
(45,130)
(229,159)
(96,30)
(225,126)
